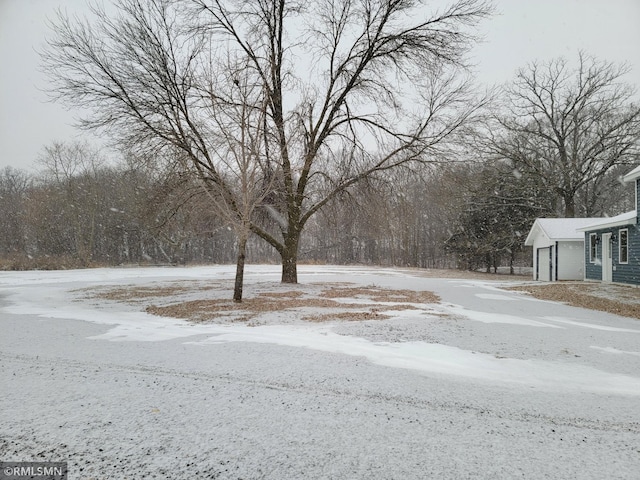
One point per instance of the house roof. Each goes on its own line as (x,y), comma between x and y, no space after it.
(559,229)
(628,218)
(632,175)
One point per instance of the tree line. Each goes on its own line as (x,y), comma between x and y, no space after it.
(82,210)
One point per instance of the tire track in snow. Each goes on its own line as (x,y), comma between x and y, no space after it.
(317,389)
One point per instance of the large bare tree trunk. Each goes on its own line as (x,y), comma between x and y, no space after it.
(242,249)
(569,206)
(290,259)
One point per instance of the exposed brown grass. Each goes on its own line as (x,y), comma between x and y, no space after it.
(617,299)
(200,311)
(290,294)
(141,293)
(346,316)
(206,310)
(133,293)
(378,294)
(290,301)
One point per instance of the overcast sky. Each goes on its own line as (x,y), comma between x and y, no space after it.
(520,32)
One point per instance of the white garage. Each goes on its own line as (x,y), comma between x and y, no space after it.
(558,248)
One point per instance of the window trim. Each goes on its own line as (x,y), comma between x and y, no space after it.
(593,247)
(626,236)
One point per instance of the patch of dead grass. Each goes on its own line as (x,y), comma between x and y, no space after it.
(140,293)
(347,316)
(378,294)
(289,294)
(616,299)
(266,302)
(132,293)
(200,311)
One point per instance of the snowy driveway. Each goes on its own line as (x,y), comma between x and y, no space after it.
(488,384)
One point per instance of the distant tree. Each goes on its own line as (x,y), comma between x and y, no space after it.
(14,187)
(73,171)
(565,128)
(497,212)
(399,218)
(607,195)
(351,88)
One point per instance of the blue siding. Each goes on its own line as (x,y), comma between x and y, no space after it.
(592,271)
(622,273)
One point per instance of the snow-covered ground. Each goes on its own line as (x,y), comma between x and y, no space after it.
(489,383)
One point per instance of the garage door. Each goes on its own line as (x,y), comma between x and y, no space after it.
(544,264)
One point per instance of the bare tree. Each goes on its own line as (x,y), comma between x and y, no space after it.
(241,154)
(14,186)
(566,128)
(351,88)
(74,169)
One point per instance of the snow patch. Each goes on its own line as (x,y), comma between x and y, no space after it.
(591,325)
(486,317)
(493,296)
(615,351)
(437,359)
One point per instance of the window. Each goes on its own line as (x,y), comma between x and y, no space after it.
(593,247)
(623,246)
